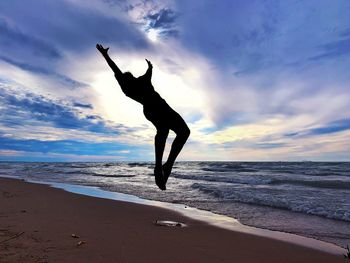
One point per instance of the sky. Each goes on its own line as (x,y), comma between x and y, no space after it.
(256,80)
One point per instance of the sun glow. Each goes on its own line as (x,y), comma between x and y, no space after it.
(152,35)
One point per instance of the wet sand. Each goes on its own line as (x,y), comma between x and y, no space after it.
(37,223)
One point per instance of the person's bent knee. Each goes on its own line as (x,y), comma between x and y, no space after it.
(185,133)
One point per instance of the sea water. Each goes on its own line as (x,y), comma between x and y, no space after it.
(305,198)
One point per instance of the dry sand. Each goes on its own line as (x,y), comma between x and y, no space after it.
(37,223)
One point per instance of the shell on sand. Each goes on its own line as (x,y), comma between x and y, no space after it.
(169,223)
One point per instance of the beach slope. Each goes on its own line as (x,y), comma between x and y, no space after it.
(37,223)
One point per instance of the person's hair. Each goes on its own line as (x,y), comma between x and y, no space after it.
(128,74)
(128,78)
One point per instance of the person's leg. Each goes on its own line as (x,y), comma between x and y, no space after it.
(159,144)
(164,118)
(182,133)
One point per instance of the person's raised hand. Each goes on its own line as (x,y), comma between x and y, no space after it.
(149,63)
(103,50)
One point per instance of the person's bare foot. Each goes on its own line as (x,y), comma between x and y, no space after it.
(159,178)
(166,171)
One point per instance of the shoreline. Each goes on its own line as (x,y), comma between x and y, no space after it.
(254,193)
(196,229)
(208,217)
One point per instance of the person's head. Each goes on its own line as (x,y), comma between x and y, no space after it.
(128,76)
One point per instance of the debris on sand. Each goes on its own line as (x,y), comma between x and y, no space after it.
(169,223)
(81,243)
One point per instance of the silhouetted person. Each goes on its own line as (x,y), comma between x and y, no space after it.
(157,111)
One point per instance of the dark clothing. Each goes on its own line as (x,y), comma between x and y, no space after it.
(163,116)
(139,89)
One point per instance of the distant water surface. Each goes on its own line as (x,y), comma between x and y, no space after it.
(305,198)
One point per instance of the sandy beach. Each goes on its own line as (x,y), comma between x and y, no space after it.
(37,223)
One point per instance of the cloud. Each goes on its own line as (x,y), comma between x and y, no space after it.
(252,78)
(270,145)
(252,36)
(163,20)
(69,27)
(19,156)
(85,106)
(24,107)
(13,39)
(67,150)
(65,80)
(156,18)
(29,116)
(334,50)
(332,127)
(63,147)
(260,53)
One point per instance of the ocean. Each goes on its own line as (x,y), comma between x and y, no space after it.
(310,199)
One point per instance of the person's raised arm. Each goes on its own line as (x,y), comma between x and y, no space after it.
(113,66)
(148,73)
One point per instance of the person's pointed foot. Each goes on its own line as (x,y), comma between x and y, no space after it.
(166,171)
(158,174)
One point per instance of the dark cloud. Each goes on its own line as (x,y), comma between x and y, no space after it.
(122,4)
(334,50)
(230,33)
(170,33)
(22,108)
(115,2)
(291,134)
(252,36)
(345,33)
(164,21)
(249,144)
(69,26)
(61,146)
(332,127)
(71,83)
(267,145)
(13,39)
(82,105)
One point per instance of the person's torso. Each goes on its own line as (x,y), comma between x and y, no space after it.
(140,90)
